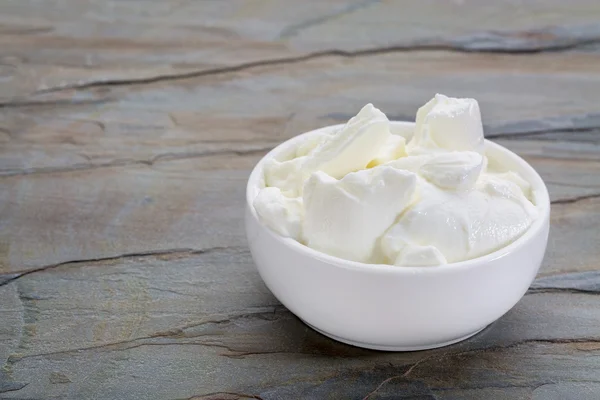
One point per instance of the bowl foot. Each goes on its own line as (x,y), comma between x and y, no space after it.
(373,346)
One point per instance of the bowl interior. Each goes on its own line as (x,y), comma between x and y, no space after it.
(500,157)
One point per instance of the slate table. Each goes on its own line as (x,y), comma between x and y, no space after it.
(127,132)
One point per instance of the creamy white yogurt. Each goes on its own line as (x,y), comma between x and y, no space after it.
(364,194)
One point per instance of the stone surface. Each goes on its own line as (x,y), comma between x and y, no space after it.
(128,130)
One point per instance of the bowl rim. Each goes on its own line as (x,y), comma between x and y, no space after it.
(538,186)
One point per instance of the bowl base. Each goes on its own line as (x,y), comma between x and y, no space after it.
(373,346)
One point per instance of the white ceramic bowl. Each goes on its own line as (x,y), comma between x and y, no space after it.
(387,307)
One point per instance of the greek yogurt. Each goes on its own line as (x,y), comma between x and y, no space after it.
(365,194)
